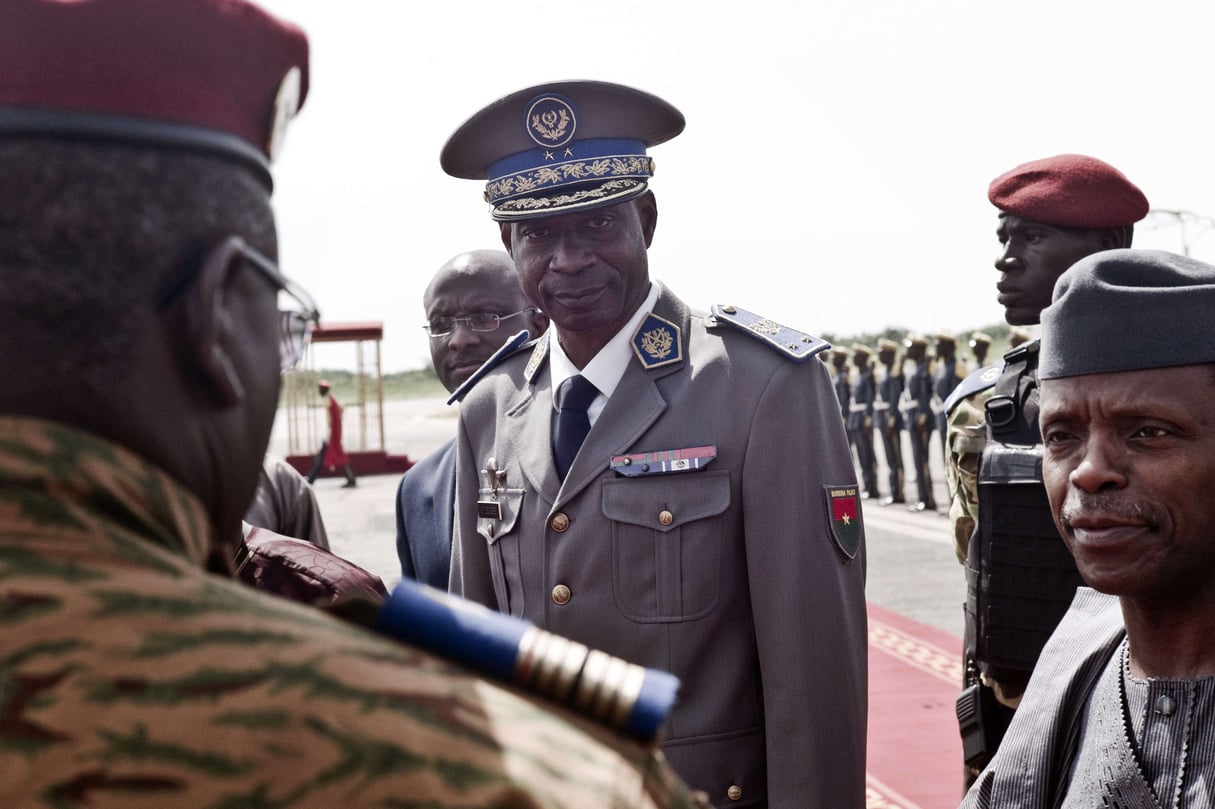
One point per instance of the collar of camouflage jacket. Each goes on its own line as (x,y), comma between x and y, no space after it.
(58,482)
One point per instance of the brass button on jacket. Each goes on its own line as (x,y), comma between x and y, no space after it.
(559,523)
(665,517)
(734,793)
(561,594)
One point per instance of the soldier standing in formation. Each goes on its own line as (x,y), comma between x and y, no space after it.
(860,417)
(920,419)
(947,373)
(888,418)
(980,342)
(841,380)
(1053,212)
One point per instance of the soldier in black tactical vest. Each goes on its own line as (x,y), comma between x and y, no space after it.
(1020,577)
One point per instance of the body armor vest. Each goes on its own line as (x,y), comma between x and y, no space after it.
(1020,576)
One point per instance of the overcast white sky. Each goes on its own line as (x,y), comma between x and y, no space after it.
(833,171)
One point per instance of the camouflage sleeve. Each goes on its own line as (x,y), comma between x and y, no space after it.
(966,435)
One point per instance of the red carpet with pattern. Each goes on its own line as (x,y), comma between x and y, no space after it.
(914,751)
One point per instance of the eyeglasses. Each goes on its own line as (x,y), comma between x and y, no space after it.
(482,321)
(297,312)
(298,315)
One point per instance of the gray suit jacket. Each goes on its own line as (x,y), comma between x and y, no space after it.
(424,517)
(732,576)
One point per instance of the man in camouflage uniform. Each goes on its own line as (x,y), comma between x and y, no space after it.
(141,355)
(1053,212)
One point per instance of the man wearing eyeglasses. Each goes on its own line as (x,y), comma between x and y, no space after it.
(473,305)
(141,347)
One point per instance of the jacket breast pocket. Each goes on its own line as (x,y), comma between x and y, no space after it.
(496,520)
(666,544)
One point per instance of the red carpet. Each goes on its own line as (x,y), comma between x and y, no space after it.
(915,755)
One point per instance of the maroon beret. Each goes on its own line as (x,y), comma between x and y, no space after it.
(219,76)
(1069,190)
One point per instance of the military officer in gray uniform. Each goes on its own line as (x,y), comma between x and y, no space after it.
(860,417)
(888,419)
(600,486)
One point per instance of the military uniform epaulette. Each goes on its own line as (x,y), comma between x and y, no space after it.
(515,344)
(622,695)
(975,381)
(795,345)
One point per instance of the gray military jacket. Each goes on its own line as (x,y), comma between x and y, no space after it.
(744,577)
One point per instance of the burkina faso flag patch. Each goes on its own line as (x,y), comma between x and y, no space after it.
(844,514)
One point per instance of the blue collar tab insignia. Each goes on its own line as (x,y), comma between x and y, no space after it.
(797,346)
(509,347)
(657,342)
(844,516)
(662,462)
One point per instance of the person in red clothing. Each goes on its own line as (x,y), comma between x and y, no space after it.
(331,454)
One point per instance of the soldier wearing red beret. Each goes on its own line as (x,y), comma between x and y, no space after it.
(141,344)
(1052,212)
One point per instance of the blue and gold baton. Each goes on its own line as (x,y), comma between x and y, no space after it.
(623,695)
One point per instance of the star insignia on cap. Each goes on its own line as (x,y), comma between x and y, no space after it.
(548,156)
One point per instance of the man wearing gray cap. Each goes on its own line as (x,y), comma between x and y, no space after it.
(1120,711)
(672,486)
(1052,213)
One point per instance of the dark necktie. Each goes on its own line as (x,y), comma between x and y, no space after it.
(572,422)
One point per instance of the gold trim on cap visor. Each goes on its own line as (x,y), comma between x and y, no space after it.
(568,173)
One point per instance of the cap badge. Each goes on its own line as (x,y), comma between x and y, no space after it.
(657,342)
(286,105)
(550,121)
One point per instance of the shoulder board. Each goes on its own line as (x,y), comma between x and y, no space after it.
(514,344)
(974,382)
(619,694)
(795,345)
